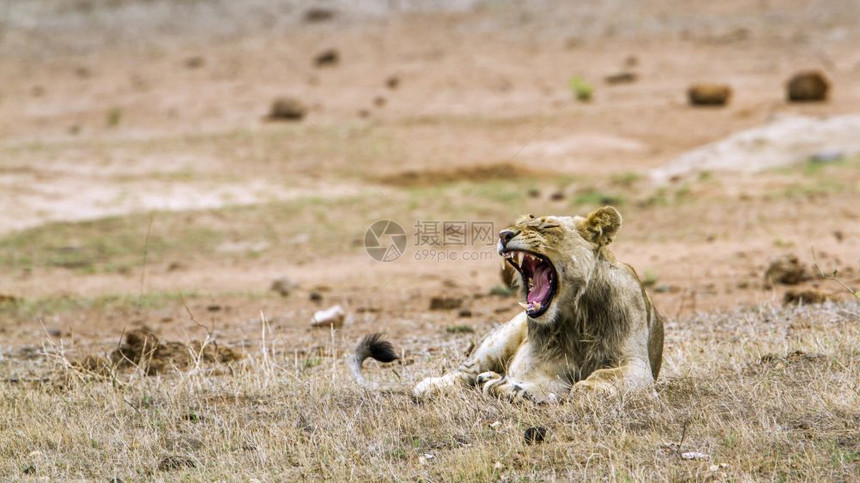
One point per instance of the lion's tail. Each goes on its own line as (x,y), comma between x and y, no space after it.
(374,346)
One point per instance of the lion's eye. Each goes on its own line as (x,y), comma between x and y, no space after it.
(547,226)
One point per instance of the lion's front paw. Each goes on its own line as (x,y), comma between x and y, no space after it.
(494,385)
(598,387)
(437,385)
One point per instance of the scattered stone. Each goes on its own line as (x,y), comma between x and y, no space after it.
(330,317)
(533,193)
(621,78)
(319,14)
(283,286)
(464,313)
(287,109)
(195,62)
(328,57)
(709,94)
(445,303)
(175,462)
(785,270)
(379,101)
(9,299)
(393,82)
(315,297)
(694,456)
(363,113)
(557,196)
(838,235)
(631,61)
(213,308)
(805,297)
(807,86)
(535,435)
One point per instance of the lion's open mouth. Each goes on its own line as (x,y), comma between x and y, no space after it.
(539,279)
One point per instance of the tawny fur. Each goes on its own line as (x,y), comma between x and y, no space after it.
(600,333)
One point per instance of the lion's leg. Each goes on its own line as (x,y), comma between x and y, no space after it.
(631,376)
(491,355)
(539,389)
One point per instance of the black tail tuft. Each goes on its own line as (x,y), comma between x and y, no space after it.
(375,346)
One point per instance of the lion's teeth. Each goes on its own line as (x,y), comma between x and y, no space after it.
(520,256)
(524,305)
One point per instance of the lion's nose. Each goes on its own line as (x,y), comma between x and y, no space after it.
(506,235)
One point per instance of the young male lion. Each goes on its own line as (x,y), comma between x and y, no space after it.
(587,324)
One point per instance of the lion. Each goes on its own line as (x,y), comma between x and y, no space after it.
(587,324)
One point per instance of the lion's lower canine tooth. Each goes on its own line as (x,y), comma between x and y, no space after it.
(524,305)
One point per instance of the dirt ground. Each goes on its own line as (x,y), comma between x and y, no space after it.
(144,186)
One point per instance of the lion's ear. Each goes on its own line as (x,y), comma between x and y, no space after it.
(601,225)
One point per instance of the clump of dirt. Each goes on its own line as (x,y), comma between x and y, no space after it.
(445,303)
(392,82)
(709,94)
(466,173)
(142,348)
(807,86)
(283,286)
(786,270)
(327,58)
(287,109)
(805,297)
(319,14)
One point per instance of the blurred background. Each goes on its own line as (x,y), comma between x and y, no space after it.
(154,152)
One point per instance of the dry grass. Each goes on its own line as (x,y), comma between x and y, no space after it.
(734,388)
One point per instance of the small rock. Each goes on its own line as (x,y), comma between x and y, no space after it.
(535,435)
(445,303)
(631,61)
(805,297)
(621,78)
(464,313)
(330,317)
(363,113)
(195,62)
(283,286)
(329,57)
(496,424)
(315,297)
(694,455)
(319,14)
(379,101)
(533,193)
(786,270)
(709,94)
(213,308)
(557,196)
(393,82)
(9,299)
(807,86)
(287,109)
(838,235)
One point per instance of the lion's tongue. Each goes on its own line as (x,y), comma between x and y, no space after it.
(539,292)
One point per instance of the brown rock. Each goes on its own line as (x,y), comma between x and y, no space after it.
(807,86)
(709,94)
(786,270)
(393,82)
(283,286)
(328,57)
(445,303)
(319,14)
(287,109)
